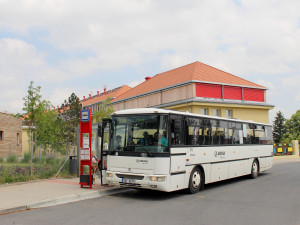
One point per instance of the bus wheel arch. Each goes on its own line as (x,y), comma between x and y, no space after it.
(255,168)
(196,181)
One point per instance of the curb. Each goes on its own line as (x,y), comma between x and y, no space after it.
(72,198)
(63,200)
(14,209)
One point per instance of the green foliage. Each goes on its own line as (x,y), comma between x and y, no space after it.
(39,114)
(26,158)
(279,128)
(293,128)
(70,115)
(50,160)
(1,160)
(104,111)
(12,159)
(32,103)
(36,160)
(20,172)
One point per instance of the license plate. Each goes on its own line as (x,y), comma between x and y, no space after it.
(128,181)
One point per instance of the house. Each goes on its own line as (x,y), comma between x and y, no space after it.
(202,89)
(10,135)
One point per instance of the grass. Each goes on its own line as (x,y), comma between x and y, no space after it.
(13,171)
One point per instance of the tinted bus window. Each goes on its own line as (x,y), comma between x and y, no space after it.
(177,130)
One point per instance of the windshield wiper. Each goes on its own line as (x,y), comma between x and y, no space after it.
(148,153)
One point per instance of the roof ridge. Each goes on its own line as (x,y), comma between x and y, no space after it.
(231,74)
(178,67)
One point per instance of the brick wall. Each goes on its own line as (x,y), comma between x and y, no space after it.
(11,142)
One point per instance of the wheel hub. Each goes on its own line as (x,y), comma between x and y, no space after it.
(196,179)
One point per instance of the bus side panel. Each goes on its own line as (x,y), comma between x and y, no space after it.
(178,163)
(219,171)
(236,168)
(265,163)
(177,182)
(207,172)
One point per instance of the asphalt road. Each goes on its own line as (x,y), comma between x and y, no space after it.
(272,198)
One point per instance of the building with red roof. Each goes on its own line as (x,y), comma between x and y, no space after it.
(202,89)
(197,88)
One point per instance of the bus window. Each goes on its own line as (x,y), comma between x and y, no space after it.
(193,135)
(205,137)
(234,131)
(141,133)
(218,132)
(177,134)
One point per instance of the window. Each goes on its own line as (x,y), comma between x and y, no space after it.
(228,113)
(1,135)
(204,111)
(217,112)
(218,132)
(177,134)
(140,133)
(235,134)
(18,139)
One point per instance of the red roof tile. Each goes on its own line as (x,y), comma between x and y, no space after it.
(196,71)
(112,94)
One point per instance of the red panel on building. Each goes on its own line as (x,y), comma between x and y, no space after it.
(231,92)
(209,90)
(252,94)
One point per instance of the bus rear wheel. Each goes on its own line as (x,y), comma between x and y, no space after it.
(195,181)
(254,169)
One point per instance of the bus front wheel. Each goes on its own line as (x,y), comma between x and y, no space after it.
(254,169)
(195,181)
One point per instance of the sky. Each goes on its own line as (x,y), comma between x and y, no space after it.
(68,46)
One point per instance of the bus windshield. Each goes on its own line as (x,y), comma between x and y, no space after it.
(139,133)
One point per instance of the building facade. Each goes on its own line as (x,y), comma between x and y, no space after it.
(10,135)
(198,88)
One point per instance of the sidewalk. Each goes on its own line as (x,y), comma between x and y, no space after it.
(286,158)
(23,196)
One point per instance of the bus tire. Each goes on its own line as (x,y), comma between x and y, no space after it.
(254,169)
(195,181)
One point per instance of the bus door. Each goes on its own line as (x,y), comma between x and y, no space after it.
(104,133)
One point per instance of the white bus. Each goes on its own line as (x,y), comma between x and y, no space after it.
(168,150)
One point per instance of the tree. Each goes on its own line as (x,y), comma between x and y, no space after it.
(293,127)
(45,122)
(49,129)
(70,113)
(278,127)
(104,110)
(32,103)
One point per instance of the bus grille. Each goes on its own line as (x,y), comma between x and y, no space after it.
(129,185)
(133,177)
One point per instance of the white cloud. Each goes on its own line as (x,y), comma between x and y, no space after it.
(251,39)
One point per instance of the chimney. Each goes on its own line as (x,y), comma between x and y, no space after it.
(104,89)
(90,95)
(147,78)
(83,98)
(98,93)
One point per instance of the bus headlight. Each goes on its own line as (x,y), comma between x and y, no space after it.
(109,175)
(158,179)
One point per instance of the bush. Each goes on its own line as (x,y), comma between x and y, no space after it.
(50,161)
(1,160)
(12,159)
(27,157)
(36,160)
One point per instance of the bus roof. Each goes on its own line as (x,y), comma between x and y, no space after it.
(166,111)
